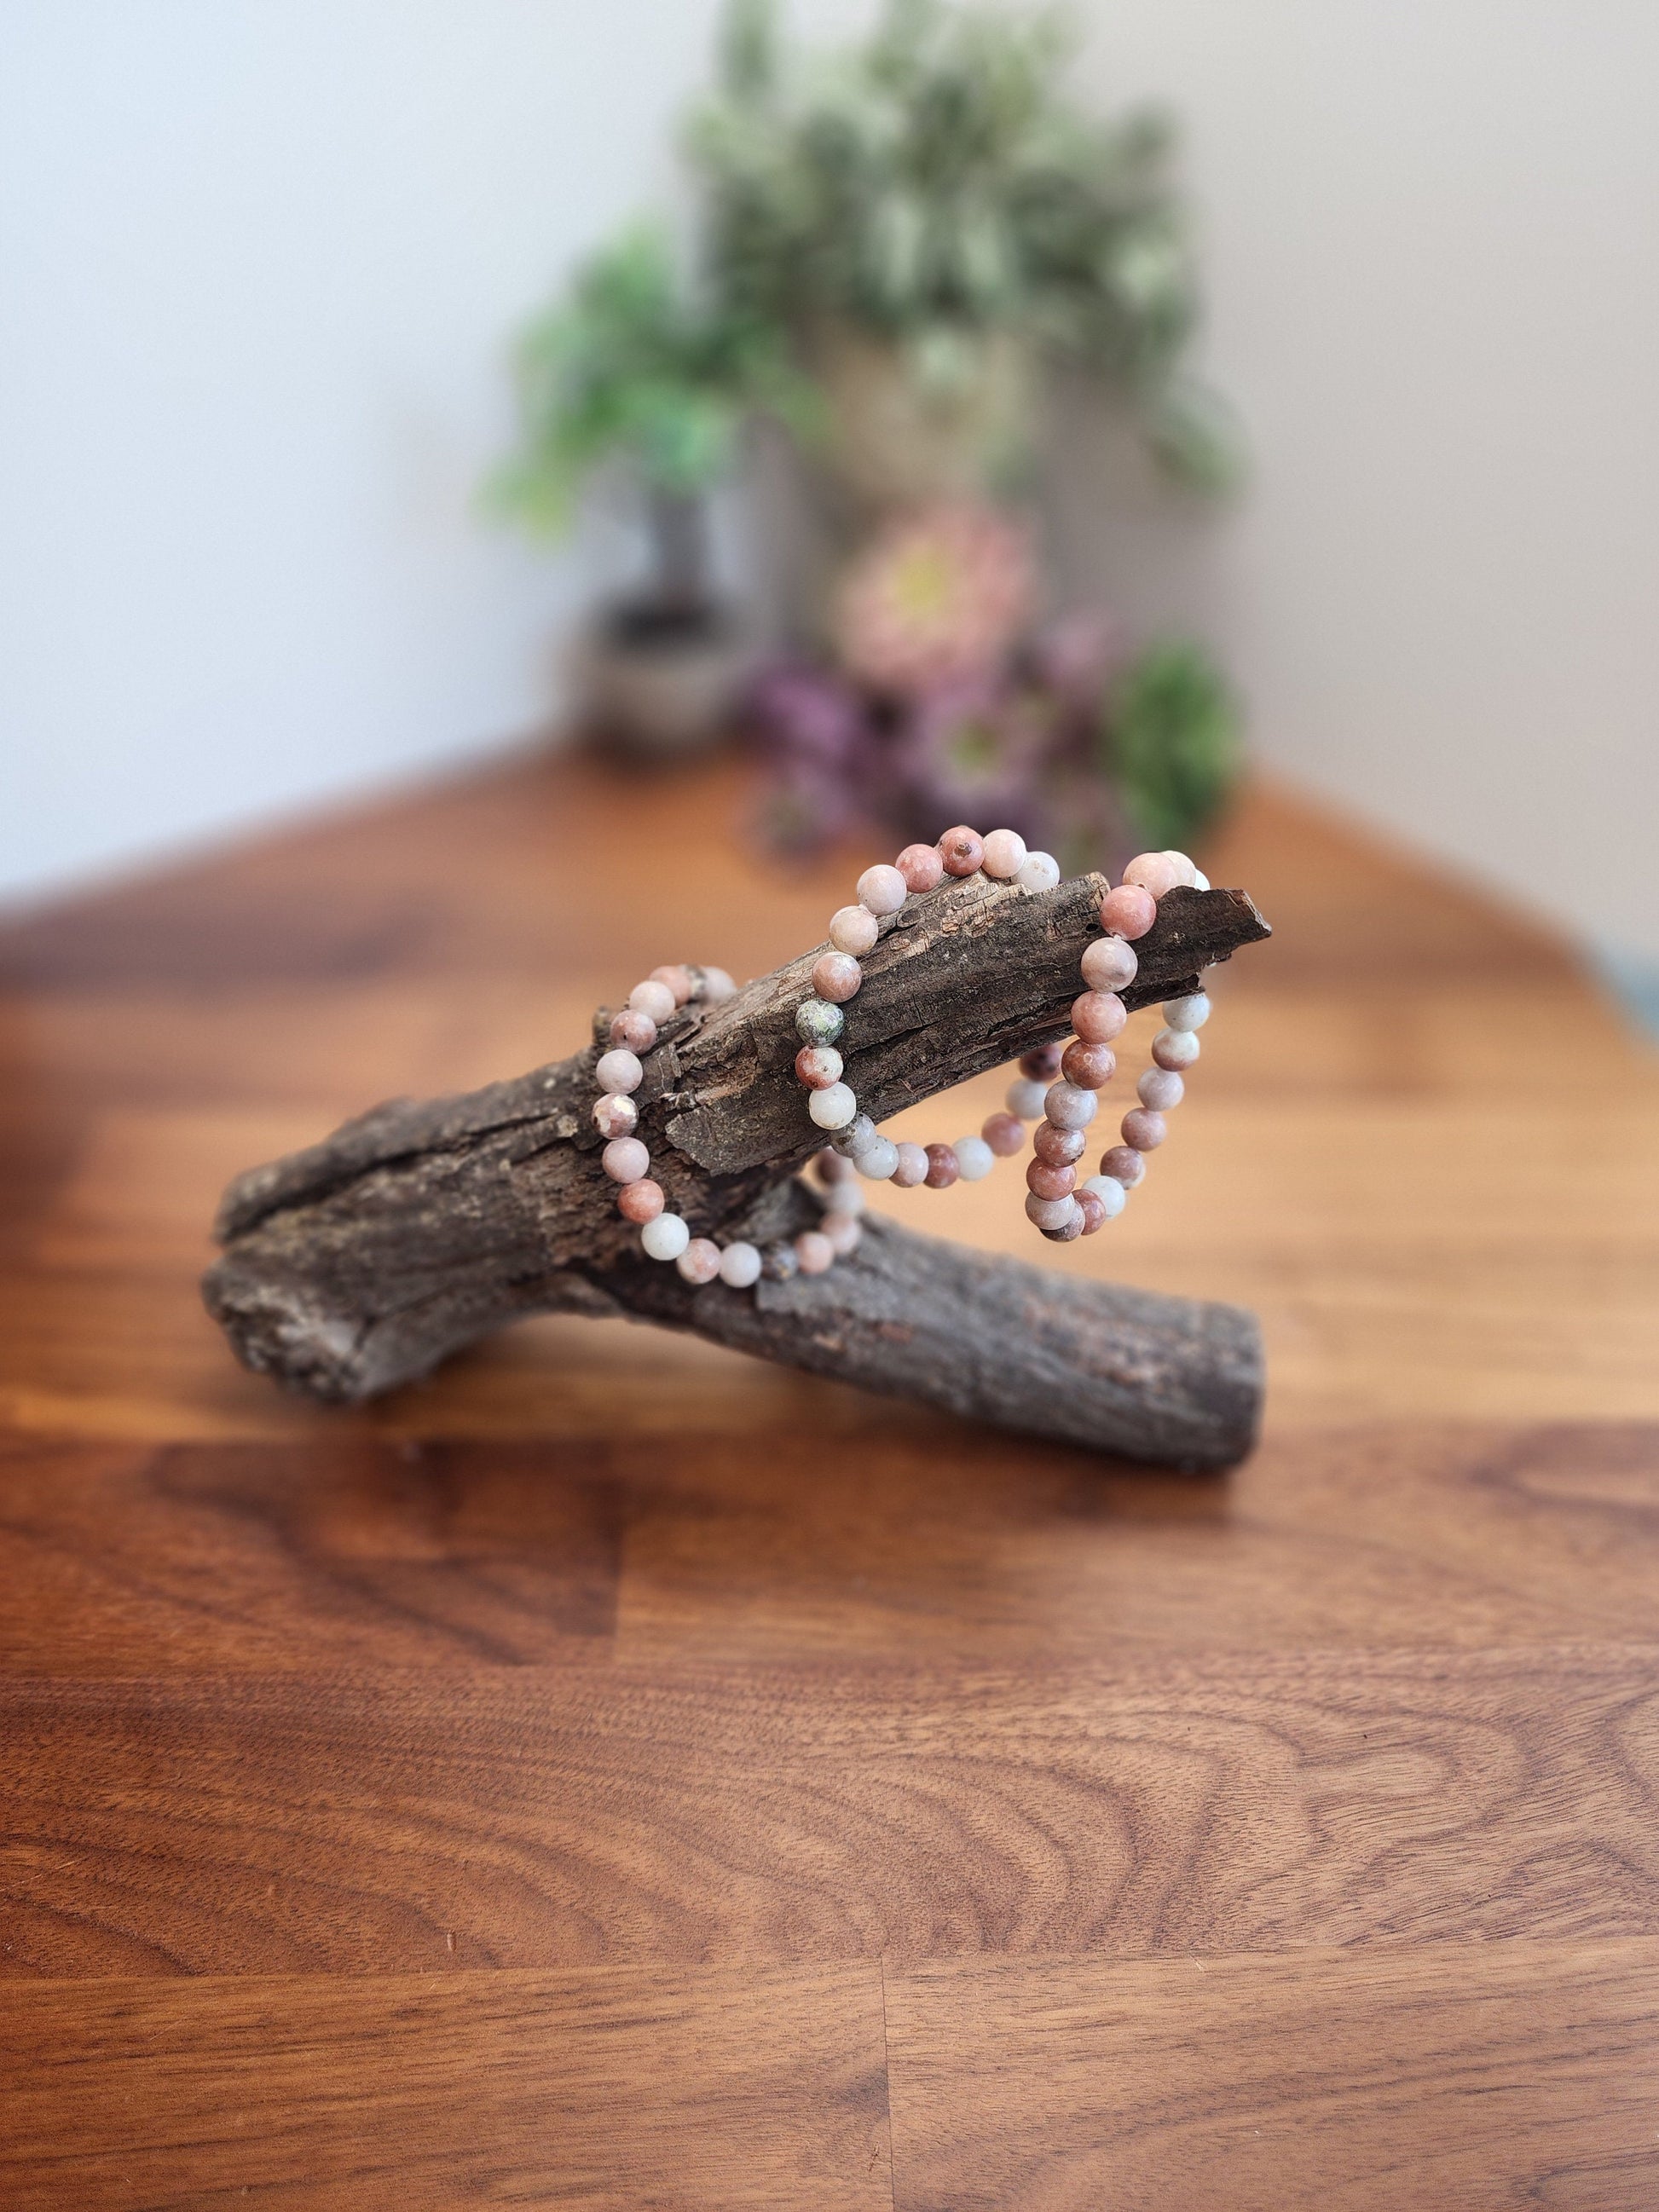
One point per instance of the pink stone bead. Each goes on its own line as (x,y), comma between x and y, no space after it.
(678,980)
(700,1262)
(1070,1230)
(1093,1210)
(836,976)
(1175,1049)
(1044,1181)
(819,1066)
(1089,1066)
(651,998)
(1005,854)
(1186,871)
(634,1032)
(912,1167)
(1004,1134)
(1109,964)
(881,888)
(615,1115)
(1042,1062)
(1124,1164)
(844,1231)
(1057,1148)
(1154,872)
(815,1252)
(834,1167)
(1048,1212)
(942,1169)
(640,1202)
(619,1070)
(713,986)
(852,929)
(1098,1016)
(920,867)
(1068,1108)
(961,850)
(625,1159)
(1128,911)
(1160,1088)
(1144,1129)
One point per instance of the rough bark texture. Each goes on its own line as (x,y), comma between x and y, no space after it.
(359,1263)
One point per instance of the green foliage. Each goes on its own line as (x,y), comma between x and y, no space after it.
(1171,736)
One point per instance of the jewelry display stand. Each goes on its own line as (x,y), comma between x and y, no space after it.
(359,1263)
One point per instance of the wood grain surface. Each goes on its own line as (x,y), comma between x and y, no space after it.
(617,1774)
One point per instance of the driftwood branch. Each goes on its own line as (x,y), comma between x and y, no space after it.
(359,1263)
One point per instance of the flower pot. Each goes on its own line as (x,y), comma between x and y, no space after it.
(661,679)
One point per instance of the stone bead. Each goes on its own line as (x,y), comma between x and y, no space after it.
(975,1158)
(1144,1129)
(1200,881)
(1094,1213)
(1123,1164)
(881,888)
(1160,1088)
(1098,1016)
(1189,1013)
(740,1264)
(1155,873)
(860,1133)
(665,1237)
(1128,911)
(1025,1099)
(1186,873)
(836,976)
(700,1262)
(835,1107)
(715,986)
(1042,1064)
(1005,854)
(678,980)
(847,1197)
(1048,1212)
(878,1161)
(833,1169)
(1069,1229)
(1110,1193)
(920,867)
(1069,1108)
(942,1169)
(815,1252)
(1058,1148)
(1089,1066)
(1109,964)
(912,1167)
(779,1263)
(817,1022)
(1043,1181)
(625,1159)
(1037,872)
(1175,1049)
(844,1231)
(961,850)
(819,1066)
(619,1070)
(853,929)
(637,1032)
(653,999)
(615,1114)
(1004,1133)
(640,1201)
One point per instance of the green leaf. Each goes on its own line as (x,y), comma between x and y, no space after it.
(1170,734)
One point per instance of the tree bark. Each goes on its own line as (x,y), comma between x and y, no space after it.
(359,1263)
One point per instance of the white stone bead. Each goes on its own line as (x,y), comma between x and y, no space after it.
(1025,1099)
(740,1264)
(833,1107)
(1110,1193)
(1070,1107)
(1005,854)
(653,999)
(1200,881)
(881,888)
(860,1133)
(665,1237)
(716,987)
(1159,1089)
(853,929)
(1049,1212)
(1175,1049)
(1189,1013)
(878,1160)
(1037,872)
(845,1197)
(620,1070)
(975,1158)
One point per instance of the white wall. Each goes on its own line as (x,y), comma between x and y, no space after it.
(258,258)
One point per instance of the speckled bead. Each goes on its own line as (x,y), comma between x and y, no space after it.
(619,1070)
(853,929)
(1128,911)
(859,1132)
(961,850)
(1093,1212)
(779,1263)
(1123,1164)
(1042,1062)
(1155,872)
(1109,964)
(922,867)
(1004,1134)
(678,980)
(1003,855)
(815,1252)
(1098,1016)
(634,1032)
(836,976)
(1058,1148)
(819,1066)
(640,1201)
(665,1237)
(1048,1212)
(942,1169)
(835,1107)
(700,1262)
(1043,1181)
(1069,1229)
(1069,1108)
(1109,1191)
(881,888)
(1144,1129)
(1024,1099)
(877,1160)
(844,1231)
(615,1114)
(1037,872)
(1160,1088)
(625,1159)
(653,999)
(740,1264)
(1088,1066)
(1189,1013)
(1175,1049)
(912,1165)
(817,1022)
(975,1158)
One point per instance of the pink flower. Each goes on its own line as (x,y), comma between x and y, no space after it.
(935,600)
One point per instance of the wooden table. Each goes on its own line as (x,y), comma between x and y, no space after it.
(616,1774)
